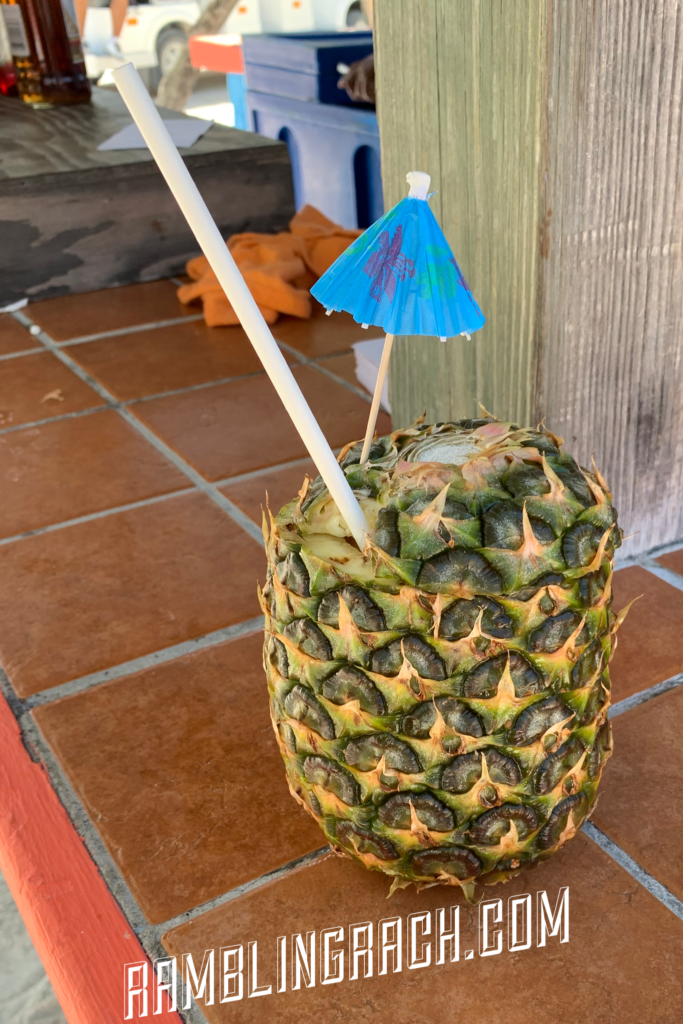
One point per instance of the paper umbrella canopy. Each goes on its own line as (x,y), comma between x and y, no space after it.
(401,274)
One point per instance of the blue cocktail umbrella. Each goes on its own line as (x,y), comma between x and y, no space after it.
(401,275)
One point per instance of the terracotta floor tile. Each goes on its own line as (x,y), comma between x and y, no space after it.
(344,366)
(281,486)
(152,361)
(14,337)
(650,642)
(81,599)
(26,383)
(72,467)
(621,964)
(178,769)
(241,426)
(673,561)
(72,316)
(322,335)
(640,803)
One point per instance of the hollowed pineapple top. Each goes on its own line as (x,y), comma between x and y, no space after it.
(440,698)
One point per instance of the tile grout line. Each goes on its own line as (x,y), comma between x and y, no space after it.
(145,661)
(627,561)
(647,562)
(117,332)
(253,474)
(32,424)
(203,386)
(22,352)
(210,490)
(115,509)
(655,888)
(157,930)
(665,549)
(90,516)
(643,696)
(366,396)
(121,332)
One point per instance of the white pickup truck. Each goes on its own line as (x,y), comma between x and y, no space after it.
(153,31)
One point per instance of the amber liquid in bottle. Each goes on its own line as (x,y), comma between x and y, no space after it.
(47,52)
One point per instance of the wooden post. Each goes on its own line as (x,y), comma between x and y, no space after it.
(552,132)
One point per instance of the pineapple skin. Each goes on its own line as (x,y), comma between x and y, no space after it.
(440,700)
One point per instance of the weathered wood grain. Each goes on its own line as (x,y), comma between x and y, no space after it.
(553,133)
(74,219)
(59,139)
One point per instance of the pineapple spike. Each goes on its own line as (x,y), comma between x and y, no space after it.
(510,843)
(568,648)
(623,613)
(350,712)
(531,547)
(600,478)
(346,449)
(557,491)
(398,883)
(569,784)
(438,730)
(375,776)
(595,489)
(506,702)
(437,607)
(486,413)
(569,831)
(596,562)
(406,675)
(555,438)
(430,518)
(302,493)
(606,598)
(420,830)
(477,632)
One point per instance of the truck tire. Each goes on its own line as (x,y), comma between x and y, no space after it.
(169,43)
(355,17)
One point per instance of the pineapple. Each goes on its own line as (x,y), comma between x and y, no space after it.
(440,699)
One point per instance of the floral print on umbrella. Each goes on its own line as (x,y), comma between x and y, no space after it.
(387,264)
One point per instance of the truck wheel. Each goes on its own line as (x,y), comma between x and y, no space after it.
(355,17)
(170,42)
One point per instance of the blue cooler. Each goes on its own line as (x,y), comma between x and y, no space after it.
(333,142)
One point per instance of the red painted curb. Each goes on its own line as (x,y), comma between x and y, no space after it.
(76,926)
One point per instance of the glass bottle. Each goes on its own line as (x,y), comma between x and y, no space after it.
(8,76)
(46,49)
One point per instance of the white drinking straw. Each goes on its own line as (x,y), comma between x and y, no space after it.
(376,398)
(155,134)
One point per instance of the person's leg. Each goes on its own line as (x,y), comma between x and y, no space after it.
(81,8)
(118,16)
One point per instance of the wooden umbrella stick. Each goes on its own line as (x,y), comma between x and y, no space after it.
(377,397)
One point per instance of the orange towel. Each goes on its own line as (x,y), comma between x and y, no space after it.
(279,269)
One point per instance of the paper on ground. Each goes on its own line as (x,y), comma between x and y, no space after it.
(184,134)
(368,355)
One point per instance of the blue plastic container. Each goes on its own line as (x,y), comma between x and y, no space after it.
(303,66)
(237,91)
(334,151)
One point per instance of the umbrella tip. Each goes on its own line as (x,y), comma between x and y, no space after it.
(419,183)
